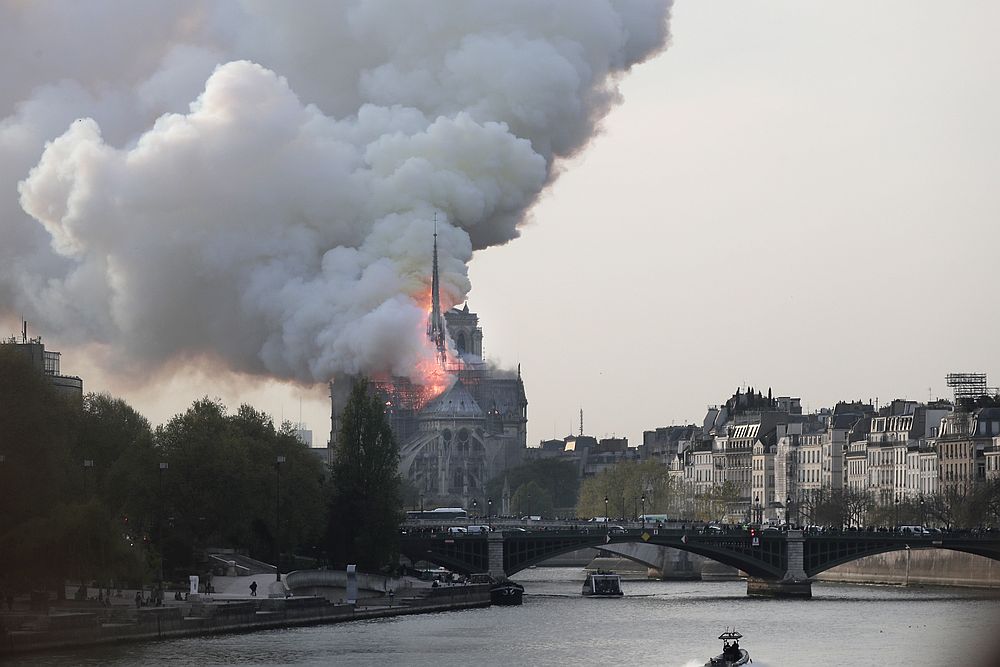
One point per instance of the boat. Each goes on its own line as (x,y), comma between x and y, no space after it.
(506,593)
(732,654)
(603,584)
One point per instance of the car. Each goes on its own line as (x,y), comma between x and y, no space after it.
(616,530)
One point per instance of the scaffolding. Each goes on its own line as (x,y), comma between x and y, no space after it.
(969,386)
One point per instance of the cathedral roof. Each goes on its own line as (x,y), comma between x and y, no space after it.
(456,402)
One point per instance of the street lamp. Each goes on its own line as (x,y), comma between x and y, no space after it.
(475,507)
(896,503)
(489,511)
(644,511)
(788,511)
(87,463)
(605,509)
(277,516)
(159,537)
(756,508)
(923,519)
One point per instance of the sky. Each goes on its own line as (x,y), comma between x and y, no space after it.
(789,197)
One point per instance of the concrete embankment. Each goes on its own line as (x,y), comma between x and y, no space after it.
(931,567)
(58,630)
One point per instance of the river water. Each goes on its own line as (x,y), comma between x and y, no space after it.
(656,623)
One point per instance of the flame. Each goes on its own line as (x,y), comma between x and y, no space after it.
(431,376)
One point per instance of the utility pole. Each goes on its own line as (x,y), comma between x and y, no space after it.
(277,517)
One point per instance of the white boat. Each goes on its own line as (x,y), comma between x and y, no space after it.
(602,584)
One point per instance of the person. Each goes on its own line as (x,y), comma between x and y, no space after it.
(138,599)
(253,589)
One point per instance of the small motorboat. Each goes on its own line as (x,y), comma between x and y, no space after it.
(732,654)
(602,584)
(506,593)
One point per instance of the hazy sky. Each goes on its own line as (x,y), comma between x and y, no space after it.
(788,197)
(792,195)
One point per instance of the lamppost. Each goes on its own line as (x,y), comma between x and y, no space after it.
(923,519)
(757,509)
(159,537)
(475,507)
(605,509)
(277,516)
(896,503)
(644,511)
(788,511)
(489,512)
(87,464)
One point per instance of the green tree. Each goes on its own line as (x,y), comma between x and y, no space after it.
(221,484)
(624,486)
(558,478)
(531,499)
(365,502)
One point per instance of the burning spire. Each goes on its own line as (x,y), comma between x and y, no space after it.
(435,329)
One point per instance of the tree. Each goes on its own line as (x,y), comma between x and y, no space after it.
(532,500)
(624,486)
(219,489)
(558,478)
(365,502)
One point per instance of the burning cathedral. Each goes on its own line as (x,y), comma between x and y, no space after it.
(469,427)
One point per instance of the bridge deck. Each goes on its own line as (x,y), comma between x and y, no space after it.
(762,554)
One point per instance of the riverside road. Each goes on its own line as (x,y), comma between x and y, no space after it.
(657,623)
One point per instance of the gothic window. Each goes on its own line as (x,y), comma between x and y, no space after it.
(460,342)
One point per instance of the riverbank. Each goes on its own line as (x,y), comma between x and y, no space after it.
(75,626)
(925,567)
(912,567)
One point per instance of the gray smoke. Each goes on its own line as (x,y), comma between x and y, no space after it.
(257,183)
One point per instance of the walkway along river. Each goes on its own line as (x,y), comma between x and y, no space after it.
(657,623)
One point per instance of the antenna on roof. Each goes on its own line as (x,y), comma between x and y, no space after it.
(581,421)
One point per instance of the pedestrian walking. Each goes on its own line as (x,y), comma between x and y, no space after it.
(253,589)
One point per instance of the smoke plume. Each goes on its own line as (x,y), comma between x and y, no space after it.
(257,183)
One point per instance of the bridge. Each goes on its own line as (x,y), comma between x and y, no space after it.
(776,563)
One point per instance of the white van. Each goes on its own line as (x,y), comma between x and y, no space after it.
(458,530)
(914,530)
(478,530)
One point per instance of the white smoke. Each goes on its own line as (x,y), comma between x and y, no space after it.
(281,221)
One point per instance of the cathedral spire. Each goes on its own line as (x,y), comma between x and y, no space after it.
(435,330)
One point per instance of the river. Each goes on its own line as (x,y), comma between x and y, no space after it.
(656,623)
